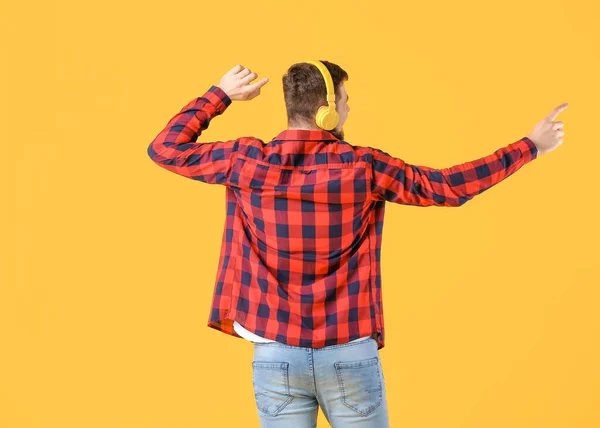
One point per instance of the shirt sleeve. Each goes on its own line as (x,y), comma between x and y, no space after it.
(397,181)
(175,148)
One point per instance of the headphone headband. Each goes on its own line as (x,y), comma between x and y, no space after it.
(327,116)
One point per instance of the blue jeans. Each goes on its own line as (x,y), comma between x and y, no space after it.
(345,380)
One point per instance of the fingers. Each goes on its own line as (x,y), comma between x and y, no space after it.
(245,74)
(242,77)
(557,111)
(557,125)
(236,69)
(247,77)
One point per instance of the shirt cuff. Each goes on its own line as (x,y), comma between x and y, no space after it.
(218,98)
(528,148)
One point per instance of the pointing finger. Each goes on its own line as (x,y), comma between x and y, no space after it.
(258,84)
(557,111)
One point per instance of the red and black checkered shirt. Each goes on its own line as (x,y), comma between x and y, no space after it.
(301,248)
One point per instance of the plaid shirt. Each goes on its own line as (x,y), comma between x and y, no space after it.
(301,248)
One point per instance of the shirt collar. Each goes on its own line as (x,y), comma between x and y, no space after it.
(305,135)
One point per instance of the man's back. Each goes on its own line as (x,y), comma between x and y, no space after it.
(307,248)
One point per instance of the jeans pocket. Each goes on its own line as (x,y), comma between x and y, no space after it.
(360,384)
(271,386)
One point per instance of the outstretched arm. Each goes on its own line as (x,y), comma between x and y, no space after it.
(397,181)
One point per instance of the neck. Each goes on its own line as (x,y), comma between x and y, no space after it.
(303,127)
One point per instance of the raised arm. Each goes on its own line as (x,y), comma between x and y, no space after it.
(176,148)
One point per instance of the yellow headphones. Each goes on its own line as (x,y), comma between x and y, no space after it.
(327,116)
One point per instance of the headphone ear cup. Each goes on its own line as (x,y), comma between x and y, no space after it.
(327,118)
(335,118)
(319,117)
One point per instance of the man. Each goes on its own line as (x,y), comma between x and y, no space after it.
(299,272)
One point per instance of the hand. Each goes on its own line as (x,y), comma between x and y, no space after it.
(547,134)
(235,83)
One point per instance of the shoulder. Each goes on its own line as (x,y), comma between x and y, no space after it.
(367,152)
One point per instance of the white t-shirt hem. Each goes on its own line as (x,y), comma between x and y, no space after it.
(248,335)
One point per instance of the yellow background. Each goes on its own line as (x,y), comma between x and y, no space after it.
(109,262)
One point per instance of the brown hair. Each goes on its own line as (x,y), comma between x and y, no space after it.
(304,90)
